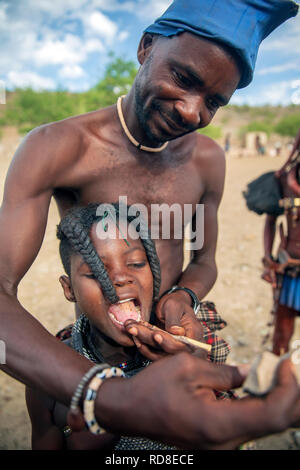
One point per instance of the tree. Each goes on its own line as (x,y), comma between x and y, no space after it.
(118,79)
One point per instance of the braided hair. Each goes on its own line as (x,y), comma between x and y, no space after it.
(74,235)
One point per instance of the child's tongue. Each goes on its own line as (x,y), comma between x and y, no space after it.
(125,311)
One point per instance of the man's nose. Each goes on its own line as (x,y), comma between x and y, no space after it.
(190,112)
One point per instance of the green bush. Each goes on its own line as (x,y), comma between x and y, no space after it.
(257,126)
(36,108)
(27,108)
(214,132)
(288,125)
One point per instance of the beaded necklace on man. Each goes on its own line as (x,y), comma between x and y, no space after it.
(130,137)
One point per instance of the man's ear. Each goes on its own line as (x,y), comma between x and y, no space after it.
(67,288)
(145,46)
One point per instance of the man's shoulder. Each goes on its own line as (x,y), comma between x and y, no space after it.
(71,130)
(207,149)
(210,161)
(58,131)
(65,141)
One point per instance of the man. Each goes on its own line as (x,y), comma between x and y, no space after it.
(191,63)
(283,271)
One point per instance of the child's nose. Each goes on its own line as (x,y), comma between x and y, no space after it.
(121,278)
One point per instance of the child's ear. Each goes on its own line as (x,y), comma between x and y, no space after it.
(67,288)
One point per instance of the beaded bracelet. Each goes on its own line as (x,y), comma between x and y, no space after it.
(89,402)
(75,418)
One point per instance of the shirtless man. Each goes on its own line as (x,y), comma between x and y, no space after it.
(284,272)
(180,85)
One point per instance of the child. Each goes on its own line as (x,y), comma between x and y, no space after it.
(112,278)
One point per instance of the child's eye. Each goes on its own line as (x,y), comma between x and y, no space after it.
(138,265)
(90,276)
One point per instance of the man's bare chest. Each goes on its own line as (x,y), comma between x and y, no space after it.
(144,184)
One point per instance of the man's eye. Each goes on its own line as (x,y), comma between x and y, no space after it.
(213,104)
(182,79)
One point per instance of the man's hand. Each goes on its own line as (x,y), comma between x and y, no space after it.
(174,311)
(155,343)
(166,400)
(172,400)
(284,399)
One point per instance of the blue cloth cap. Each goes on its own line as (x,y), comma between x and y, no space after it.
(240,24)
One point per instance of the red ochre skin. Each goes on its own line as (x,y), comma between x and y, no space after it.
(284,317)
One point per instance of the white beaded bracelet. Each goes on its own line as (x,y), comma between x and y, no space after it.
(89,402)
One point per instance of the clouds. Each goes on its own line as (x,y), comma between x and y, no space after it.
(55,38)
(53,43)
(71,71)
(281,92)
(101,25)
(30,79)
(293,65)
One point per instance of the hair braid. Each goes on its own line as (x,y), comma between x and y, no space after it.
(80,241)
(73,231)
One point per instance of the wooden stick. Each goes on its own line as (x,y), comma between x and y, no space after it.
(191,342)
(182,339)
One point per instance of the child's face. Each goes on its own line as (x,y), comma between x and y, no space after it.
(129,272)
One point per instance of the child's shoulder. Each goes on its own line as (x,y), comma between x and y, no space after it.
(65,334)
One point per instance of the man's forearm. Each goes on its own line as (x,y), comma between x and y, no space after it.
(41,361)
(34,356)
(199,277)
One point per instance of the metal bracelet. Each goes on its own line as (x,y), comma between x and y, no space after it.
(195,300)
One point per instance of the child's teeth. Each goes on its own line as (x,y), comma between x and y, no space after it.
(121,323)
(125,300)
(114,318)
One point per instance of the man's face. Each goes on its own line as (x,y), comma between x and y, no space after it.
(129,272)
(182,82)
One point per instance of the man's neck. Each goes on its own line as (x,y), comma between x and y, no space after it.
(132,121)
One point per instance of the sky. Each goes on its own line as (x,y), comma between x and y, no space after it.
(50,44)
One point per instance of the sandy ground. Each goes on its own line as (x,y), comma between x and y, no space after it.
(242,298)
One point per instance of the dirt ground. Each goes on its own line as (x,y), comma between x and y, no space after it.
(243,299)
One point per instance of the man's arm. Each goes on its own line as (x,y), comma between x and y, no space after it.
(32,354)
(201,273)
(188,414)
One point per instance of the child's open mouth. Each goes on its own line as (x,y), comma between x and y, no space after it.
(127,309)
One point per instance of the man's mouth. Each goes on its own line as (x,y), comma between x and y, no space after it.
(126,309)
(174,126)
